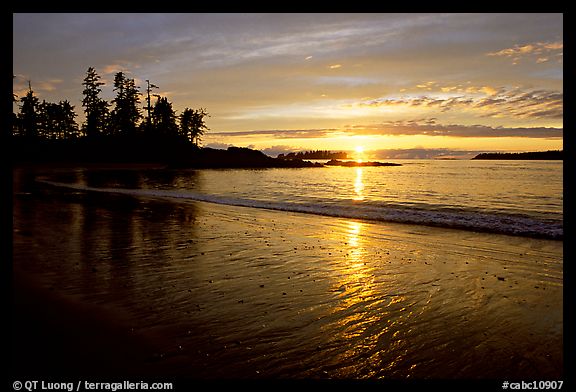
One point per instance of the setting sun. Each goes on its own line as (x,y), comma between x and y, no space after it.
(359,149)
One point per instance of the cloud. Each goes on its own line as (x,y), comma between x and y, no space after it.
(48,85)
(542,50)
(348,81)
(40,88)
(219,146)
(280,133)
(119,66)
(485,101)
(424,153)
(423,126)
(429,127)
(274,151)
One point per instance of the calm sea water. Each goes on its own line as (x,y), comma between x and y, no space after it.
(508,197)
(224,273)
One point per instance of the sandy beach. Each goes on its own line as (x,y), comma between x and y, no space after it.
(113,284)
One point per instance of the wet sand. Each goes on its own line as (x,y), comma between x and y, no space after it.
(113,284)
(56,335)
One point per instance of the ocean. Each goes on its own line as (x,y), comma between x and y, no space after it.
(507,197)
(432,269)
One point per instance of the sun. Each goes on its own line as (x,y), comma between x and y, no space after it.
(359,153)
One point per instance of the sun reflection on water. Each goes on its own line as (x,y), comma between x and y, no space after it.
(359,185)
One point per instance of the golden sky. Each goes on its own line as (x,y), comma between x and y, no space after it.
(449,84)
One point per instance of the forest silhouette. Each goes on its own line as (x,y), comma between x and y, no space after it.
(118,131)
(123,131)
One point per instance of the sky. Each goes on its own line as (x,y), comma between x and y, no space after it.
(392,85)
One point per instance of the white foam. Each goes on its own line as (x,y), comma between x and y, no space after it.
(456,218)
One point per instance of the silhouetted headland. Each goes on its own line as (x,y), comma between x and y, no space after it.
(540,155)
(318,154)
(335,162)
(238,157)
(168,153)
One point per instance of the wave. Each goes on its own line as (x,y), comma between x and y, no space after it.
(463,219)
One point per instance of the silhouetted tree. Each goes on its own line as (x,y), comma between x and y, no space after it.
(56,120)
(192,125)
(96,108)
(45,115)
(126,113)
(14,96)
(169,138)
(29,114)
(186,119)
(148,107)
(14,118)
(164,118)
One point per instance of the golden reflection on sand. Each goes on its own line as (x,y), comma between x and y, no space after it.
(377,334)
(355,277)
(354,286)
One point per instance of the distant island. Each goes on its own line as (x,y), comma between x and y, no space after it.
(540,155)
(318,154)
(237,157)
(335,162)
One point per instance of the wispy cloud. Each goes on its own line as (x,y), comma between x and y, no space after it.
(430,127)
(539,51)
(119,66)
(280,133)
(423,126)
(485,102)
(40,87)
(425,153)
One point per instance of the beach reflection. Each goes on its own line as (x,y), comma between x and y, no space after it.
(355,320)
(354,246)
(371,315)
(236,292)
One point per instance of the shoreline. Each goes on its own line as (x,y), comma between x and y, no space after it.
(118,283)
(262,290)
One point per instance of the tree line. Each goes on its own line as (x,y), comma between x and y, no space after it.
(314,154)
(533,155)
(122,118)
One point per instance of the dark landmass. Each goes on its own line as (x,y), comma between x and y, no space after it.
(335,162)
(318,154)
(541,155)
(238,157)
(162,151)
(171,153)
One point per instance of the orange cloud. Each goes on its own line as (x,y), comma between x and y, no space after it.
(539,49)
(493,103)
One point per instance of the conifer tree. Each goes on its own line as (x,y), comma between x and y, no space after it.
(56,120)
(192,125)
(126,113)
(15,122)
(96,108)
(29,114)
(164,118)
